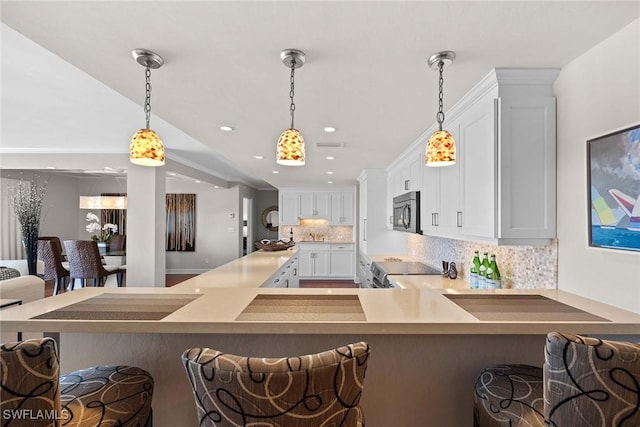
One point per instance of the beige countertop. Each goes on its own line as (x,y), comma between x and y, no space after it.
(214,301)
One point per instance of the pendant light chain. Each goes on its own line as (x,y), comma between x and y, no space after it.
(292,107)
(440,114)
(147,101)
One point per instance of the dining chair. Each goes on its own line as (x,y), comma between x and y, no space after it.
(118,242)
(301,391)
(33,393)
(50,253)
(85,263)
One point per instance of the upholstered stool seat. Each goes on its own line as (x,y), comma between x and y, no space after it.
(106,396)
(102,396)
(509,395)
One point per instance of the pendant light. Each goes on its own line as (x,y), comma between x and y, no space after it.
(441,148)
(290,150)
(146,148)
(103,202)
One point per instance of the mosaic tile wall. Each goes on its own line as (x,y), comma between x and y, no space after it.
(522,267)
(320,230)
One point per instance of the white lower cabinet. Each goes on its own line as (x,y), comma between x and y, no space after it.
(287,276)
(322,261)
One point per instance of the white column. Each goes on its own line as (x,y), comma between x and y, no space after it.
(146,226)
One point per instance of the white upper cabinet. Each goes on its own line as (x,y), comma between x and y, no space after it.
(314,205)
(289,208)
(336,206)
(342,208)
(503,187)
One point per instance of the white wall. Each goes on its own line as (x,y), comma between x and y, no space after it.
(215,245)
(599,92)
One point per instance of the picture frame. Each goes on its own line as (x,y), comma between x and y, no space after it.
(613,190)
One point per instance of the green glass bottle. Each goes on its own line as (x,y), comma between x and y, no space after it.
(483,271)
(493,274)
(474,279)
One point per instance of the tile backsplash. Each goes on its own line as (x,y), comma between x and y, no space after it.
(320,230)
(522,267)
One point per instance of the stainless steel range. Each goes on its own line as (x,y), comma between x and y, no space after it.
(381,271)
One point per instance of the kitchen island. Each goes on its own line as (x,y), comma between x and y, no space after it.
(428,344)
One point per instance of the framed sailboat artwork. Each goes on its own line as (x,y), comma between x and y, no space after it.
(613,180)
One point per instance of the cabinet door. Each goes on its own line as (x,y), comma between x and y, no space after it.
(430,200)
(307,205)
(449,216)
(321,205)
(362,220)
(341,208)
(341,264)
(289,209)
(478,169)
(314,205)
(321,264)
(305,264)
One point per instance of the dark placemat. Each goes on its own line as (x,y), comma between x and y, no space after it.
(122,307)
(521,307)
(303,308)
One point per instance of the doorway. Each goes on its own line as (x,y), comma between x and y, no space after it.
(247,225)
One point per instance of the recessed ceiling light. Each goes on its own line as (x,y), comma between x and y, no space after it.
(226,128)
(171,173)
(329,129)
(259,157)
(329,182)
(50,167)
(330,158)
(198,181)
(276,171)
(216,186)
(329,173)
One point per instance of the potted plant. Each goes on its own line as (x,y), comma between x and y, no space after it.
(102,232)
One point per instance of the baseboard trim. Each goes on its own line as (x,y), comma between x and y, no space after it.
(187,270)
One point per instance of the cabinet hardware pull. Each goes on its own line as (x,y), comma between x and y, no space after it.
(437,215)
(459,219)
(364,233)
(406,184)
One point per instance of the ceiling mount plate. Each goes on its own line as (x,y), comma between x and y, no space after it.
(446,57)
(289,55)
(147,58)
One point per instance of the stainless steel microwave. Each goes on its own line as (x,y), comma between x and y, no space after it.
(406,212)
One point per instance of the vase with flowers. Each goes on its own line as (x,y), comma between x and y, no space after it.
(26,198)
(102,232)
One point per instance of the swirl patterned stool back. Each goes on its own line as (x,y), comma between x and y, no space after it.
(33,394)
(29,372)
(321,389)
(591,382)
(585,382)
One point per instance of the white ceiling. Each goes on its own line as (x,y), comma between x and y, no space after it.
(366,74)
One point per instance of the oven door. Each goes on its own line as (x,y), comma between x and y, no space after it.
(380,283)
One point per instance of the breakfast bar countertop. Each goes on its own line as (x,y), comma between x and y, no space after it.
(229,299)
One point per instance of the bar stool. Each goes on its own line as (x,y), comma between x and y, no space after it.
(98,396)
(585,382)
(311,390)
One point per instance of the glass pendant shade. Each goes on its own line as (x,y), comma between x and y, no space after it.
(146,149)
(290,150)
(103,202)
(441,149)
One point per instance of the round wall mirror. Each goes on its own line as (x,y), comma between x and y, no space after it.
(270,218)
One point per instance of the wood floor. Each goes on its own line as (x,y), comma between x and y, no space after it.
(174,279)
